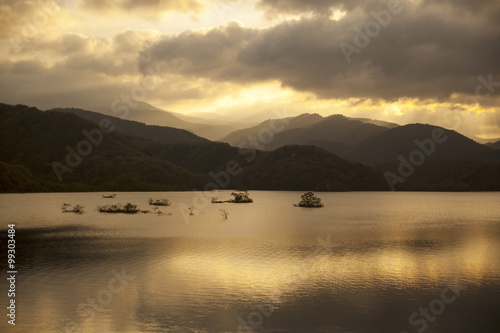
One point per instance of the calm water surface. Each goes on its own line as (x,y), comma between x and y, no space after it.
(367,262)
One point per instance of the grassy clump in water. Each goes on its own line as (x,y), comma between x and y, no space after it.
(309,200)
(159,202)
(66,208)
(119,208)
(240,197)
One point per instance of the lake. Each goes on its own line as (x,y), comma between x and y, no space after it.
(366,262)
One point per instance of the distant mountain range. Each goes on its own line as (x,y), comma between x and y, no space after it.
(363,140)
(138,129)
(456,164)
(310,129)
(150,115)
(494,145)
(62,151)
(79,150)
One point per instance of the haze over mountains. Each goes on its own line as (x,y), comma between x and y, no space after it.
(43,151)
(310,129)
(150,115)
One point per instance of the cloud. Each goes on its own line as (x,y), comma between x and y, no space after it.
(27,18)
(144,5)
(432,53)
(152,9)
(319,7)
(73,69)
(114,56)
(209,53)
(426,51)
(274,7)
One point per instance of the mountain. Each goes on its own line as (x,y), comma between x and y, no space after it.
(156,133)
(197,157)
(456,164)
(287,168)
(338,128)
(494,145)
(481,140)
(377,122)
(422,157)
(275,125)
(308,168)
(150,115)
(78,150)
(39,148)
(310,129)
(388,145)
(469,174)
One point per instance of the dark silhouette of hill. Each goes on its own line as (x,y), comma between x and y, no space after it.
(287,168)
(197,157)
(454,163)
(307,168)
(494,145)
(377,122)
(388,145)
(450,175)
(138,129)
(307,129)
(340,149)
(31,140)
(151,115)
(137,157)
(287,124)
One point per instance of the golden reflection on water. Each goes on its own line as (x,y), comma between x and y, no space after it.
(403,267)
(363,254)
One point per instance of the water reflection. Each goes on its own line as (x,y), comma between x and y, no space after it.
(306,272)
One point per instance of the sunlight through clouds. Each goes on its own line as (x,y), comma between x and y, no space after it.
(255,55)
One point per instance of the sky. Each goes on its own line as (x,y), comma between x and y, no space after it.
(428,61)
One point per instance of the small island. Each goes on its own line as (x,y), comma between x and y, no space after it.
(118,208)
(309,200)
(109,196)
(159,202)
(66,208)
(239,197)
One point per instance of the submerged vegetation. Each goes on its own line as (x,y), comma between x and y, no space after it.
(158,212)
(224,214)
(159,202)
(130,208)
(239,197)
(119,208)
(66,208)
(309,200)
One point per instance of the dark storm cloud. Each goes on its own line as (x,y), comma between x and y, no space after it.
(325,6)
(211,54)
(429,50)
(113,57)
(148,7)
(72,70)
(273,7)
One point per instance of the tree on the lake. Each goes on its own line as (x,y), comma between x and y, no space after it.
(240,197)
(309,200)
